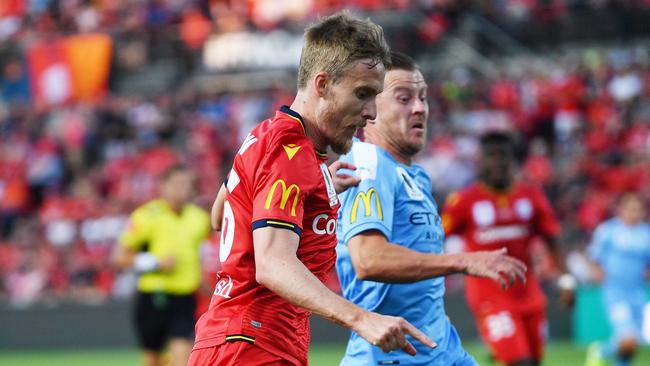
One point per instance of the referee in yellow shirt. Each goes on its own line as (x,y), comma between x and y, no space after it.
(162,243)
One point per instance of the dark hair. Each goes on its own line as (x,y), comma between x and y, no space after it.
(504,138)
(401,61)
(337,41)
(497,138)
(175,168)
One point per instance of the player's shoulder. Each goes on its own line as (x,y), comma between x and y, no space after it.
(462,197)
(197,211)
(527,188)
(371,161)
(608,225)
(151,208)
(459,197)
(421,174)
(469,191)
(281,126)
(282,134)
(288,134)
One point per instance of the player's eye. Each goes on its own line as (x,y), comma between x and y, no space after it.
(362,94)
(404,99)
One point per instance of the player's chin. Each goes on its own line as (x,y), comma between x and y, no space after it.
(342,144)
(416,145)
(418,134)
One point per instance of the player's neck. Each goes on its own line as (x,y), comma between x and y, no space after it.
(397,154)
(494,189)
(629,223)
(372,136)
(301,106)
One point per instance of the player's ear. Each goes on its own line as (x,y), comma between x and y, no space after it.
(321,79)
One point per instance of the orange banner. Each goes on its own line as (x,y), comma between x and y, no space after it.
(89,58)
(70,69)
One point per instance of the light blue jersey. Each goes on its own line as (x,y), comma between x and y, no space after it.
(396,200)
(623,252)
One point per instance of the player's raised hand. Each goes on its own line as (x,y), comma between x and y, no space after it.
(497,265)
(343,181)
(389,332)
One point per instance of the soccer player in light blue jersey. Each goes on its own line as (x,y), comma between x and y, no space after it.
(390,238)
(620,249)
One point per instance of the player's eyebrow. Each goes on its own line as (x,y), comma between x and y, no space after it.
(368,89)
(401,88)
(409,89)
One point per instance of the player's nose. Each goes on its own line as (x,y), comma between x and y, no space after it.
(369,111)
(419,106)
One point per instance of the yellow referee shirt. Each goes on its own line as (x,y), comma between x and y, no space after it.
(161,231)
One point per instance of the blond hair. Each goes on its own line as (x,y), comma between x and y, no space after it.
(336,42)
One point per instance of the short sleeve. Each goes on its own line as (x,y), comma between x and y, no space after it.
(284,178)
(598,246)
(370,205)
(138,228)
(453,214)
(546,223)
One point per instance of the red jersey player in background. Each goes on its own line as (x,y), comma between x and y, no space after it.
(500,212)
(280,208)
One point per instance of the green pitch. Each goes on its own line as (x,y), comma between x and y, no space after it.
(559,354)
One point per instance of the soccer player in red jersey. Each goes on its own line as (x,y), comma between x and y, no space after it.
(499,212)
(278,233)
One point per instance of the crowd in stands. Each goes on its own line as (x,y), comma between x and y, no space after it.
(70,174)
(71,16)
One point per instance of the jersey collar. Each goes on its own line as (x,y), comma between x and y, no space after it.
(296,116)
(169,208)
(487,189)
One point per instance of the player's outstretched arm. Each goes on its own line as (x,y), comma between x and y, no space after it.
(216,214)
(279,269)
(343,181)
(374,258)
(566,283)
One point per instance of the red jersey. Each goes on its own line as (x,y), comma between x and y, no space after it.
(488,220)
(278,179)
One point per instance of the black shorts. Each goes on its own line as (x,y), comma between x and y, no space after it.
(160,317)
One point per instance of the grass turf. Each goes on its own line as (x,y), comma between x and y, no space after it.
(558,354)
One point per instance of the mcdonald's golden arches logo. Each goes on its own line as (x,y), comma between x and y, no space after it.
(286,192)
(365,197)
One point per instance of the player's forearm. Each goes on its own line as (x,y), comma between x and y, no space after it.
(290,279)
(394,263)
(556,253)
(278,268)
